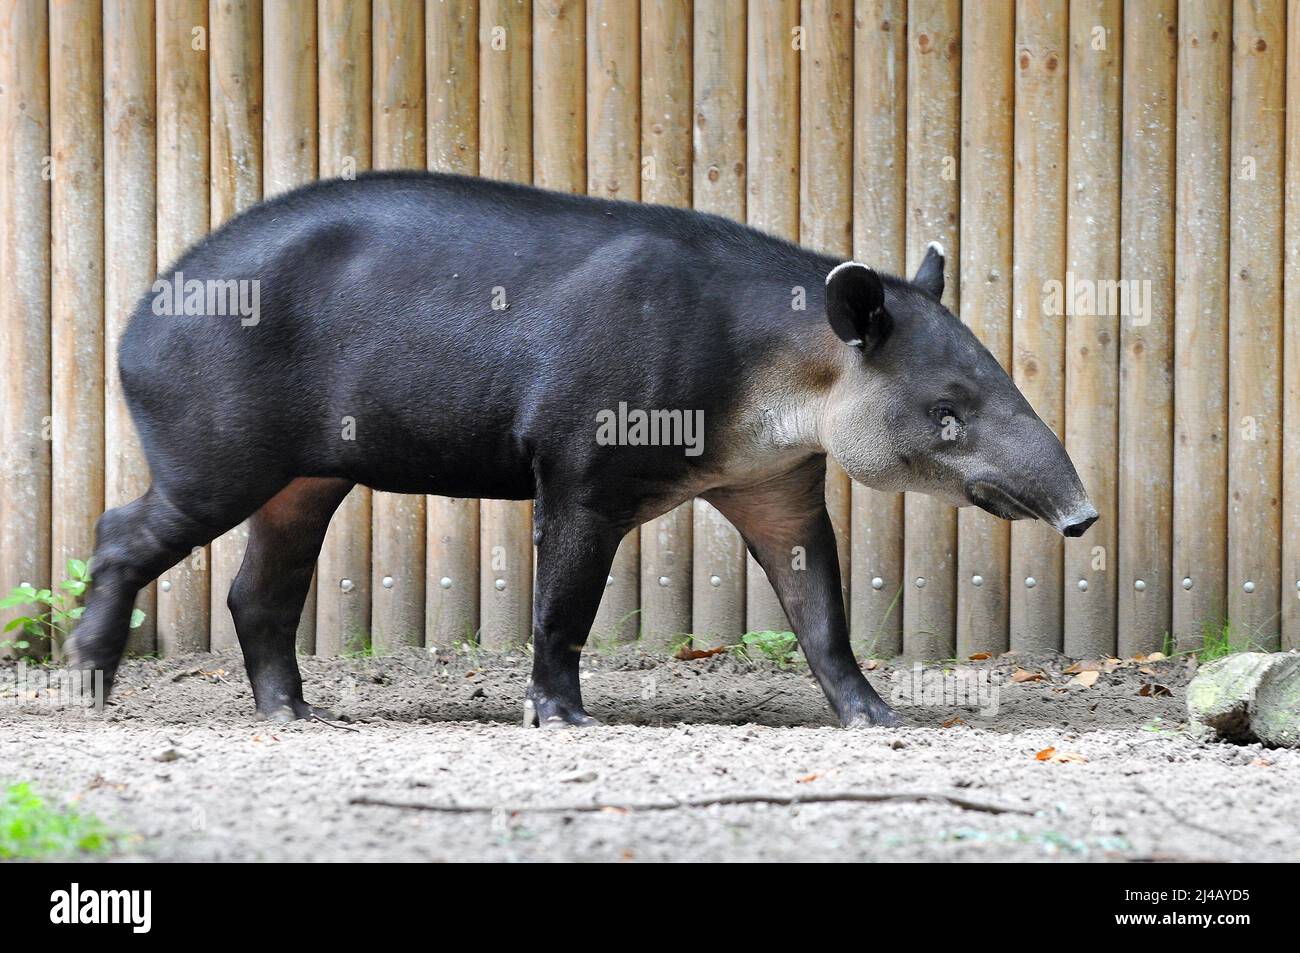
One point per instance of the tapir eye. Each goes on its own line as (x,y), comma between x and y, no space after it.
(944,415)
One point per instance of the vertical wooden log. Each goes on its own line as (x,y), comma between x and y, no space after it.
(77,280)
(1039,336)
(614,172)
(25,167)
(933,204)
(772,109)
(880,240)
(1092,334)
(987,210)
(1146,393)
(235,77)
(1255,324)
(289,142)
(666,179)
(1200,522)
(826,186)
(505,152)
(1291,355)
(560,95)
(398,578)
(452,530)
(718,570)
(343,596)
(130,254)
(182,219)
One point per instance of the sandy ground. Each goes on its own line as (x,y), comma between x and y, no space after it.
(179,765)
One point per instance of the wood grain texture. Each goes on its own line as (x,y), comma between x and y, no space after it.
(25,169)
(1255,323)
(987,214)
(1146,393)
(1038,336)
(76,281)
(933,210)
(1200,507)
(1291,351)
(130,254)
(1092,332)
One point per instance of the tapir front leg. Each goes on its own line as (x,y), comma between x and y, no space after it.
(786,526)
(575,548)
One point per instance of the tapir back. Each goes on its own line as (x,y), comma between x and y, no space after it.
(428,333)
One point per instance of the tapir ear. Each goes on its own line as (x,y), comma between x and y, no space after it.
(855,306)
(929,277)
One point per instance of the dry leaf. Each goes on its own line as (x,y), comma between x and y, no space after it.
(1261,763)
(1021,675)
(687,654)
(1155,656)
(1152,690)
(1064,757)
(807,778)
(953,721)
(1086,679)
(980,656)
(871,664)
(1069,757)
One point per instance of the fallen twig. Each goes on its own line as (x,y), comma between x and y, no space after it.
(722,799)
(331,724)
(1234,837)
(762,701)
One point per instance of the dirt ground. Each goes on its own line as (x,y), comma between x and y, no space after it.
(178,764)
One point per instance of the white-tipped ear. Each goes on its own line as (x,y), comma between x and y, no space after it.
(929,277)
(855,305)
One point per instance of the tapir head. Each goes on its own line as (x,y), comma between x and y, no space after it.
(921,405)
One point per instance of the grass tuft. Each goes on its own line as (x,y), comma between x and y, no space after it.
(32,830)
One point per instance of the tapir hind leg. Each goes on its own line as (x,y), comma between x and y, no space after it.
(785,525)
(267,596)
(136,543)
(575,548)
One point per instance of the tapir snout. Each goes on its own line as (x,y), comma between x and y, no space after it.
(1034,478)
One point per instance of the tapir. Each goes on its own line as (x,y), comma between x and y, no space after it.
(477,335)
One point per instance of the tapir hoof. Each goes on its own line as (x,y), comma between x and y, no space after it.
(544,713)
(297,710)
(881,717)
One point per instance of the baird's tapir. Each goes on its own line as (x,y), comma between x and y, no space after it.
(479,335)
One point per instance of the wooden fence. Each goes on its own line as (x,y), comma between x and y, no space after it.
(1117,185)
